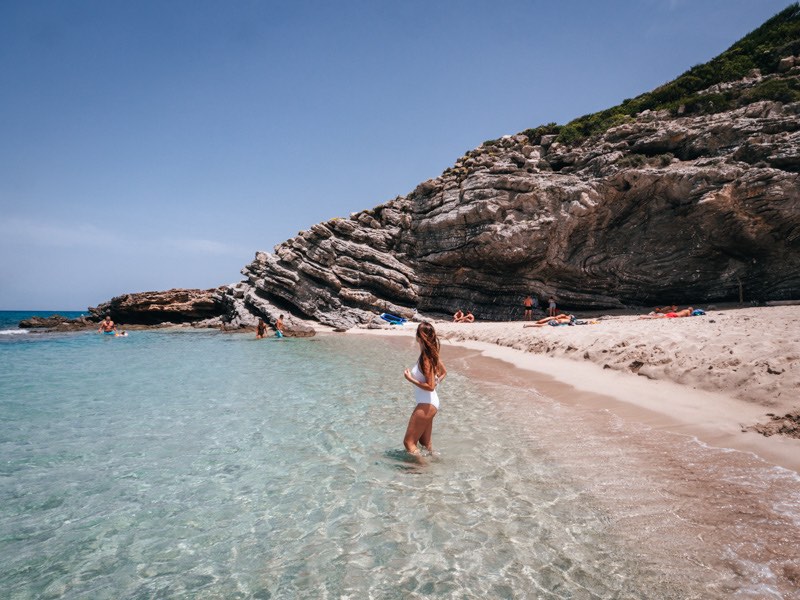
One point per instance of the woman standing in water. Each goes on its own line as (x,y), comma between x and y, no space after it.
(261,329)
(425,375)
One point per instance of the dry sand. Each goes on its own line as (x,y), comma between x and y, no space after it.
(709,376)
(750,353)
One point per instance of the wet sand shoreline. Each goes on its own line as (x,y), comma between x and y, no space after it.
(670,400)
(681,486)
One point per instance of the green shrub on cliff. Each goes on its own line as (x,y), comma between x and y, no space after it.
(632,160)
(535,134)
(761,49)
(783,90)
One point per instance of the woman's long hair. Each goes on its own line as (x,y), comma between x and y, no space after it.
(429,357)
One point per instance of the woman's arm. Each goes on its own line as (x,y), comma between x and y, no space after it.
(428,387)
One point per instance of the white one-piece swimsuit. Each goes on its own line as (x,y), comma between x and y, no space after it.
(423,396)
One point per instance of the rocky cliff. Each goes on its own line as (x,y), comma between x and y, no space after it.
(662,208)
(686,194)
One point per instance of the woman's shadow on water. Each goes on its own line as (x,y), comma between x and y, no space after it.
(402,460)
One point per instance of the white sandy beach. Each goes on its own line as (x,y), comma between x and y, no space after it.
(709,376)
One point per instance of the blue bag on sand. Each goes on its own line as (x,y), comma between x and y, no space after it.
(393,319)
(698,312)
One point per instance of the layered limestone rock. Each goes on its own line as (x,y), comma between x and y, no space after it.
(244,306)
(157,308)
(662,209)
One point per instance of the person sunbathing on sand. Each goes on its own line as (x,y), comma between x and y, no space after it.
(659,312)
(464,318)
(671,314)
(559,319)
(666,309)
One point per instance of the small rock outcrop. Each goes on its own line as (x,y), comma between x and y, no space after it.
(58,323)
(157,308)
(229,308)
(787,425)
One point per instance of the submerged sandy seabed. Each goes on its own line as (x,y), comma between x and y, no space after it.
(708,376)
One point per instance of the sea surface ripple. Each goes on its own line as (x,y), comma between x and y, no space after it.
(206,465)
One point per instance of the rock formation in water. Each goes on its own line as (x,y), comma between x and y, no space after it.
(219,307)
(58,323)
(157,308)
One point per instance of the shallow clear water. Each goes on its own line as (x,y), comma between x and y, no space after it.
(205,465)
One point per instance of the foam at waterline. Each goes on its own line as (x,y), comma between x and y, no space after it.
(13,331)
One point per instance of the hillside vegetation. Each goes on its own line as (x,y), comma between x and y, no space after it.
(761,49)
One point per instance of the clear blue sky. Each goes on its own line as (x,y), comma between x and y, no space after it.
(147,145)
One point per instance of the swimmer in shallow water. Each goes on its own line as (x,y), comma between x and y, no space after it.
(279,327)
(426,374)
(261,329)
(107,326)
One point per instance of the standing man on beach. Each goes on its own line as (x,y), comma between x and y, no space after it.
(552,309)
(528,305)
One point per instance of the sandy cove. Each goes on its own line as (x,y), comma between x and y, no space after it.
(751,353)
(708,376)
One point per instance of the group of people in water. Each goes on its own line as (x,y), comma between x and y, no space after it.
(108,327)
(425,375)
(429,370)
(261,328)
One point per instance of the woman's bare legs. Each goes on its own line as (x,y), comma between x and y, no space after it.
(420,424)
(425,438)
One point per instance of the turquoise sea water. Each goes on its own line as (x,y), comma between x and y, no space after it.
(192,464)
